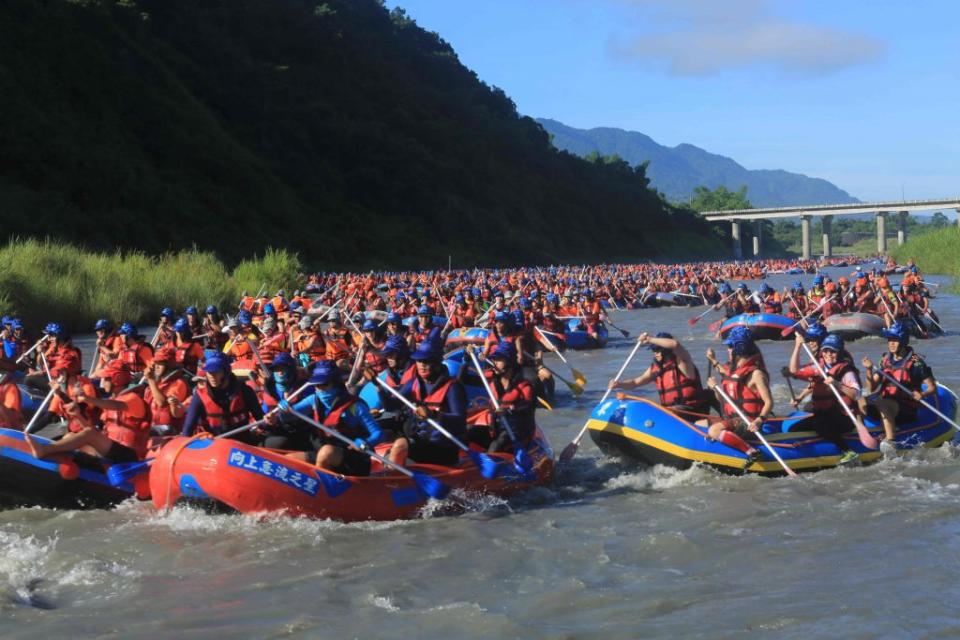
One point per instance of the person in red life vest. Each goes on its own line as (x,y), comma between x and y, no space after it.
(517,404)
(797,303)
(213,335)
(674,374)
(746,299)
(333,406)
(237,348)
(194,321)
(19,340)
(590,311)
(136,353)
(11,408)
(339,341)
(285,378)
(63,406)
(833,305)
(167,392)
(888,302)
(108,345)
(398,372)
(221,403)
(864,299)
(246,302)
(895,406)
(125,417)
(57,352)
(424,330)
(437,396)
(187,351)
(745,381)
(164,334)
(829,418)
(373,342)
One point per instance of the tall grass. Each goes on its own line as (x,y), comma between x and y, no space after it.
(47,280)
(934,252)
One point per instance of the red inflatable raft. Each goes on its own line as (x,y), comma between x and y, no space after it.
(232,476)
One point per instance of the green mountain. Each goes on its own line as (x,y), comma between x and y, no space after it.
(336,128)
(677,171)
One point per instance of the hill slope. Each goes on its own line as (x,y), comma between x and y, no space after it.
(332,127)
(678,170)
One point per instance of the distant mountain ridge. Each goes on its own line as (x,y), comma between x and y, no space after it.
(677,171)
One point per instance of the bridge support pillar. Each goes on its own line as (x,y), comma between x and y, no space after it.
(881,233)
(805,237)
(902,227)
(735,234)
(826,223)
(757,237)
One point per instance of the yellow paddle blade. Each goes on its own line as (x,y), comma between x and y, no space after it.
(545,404)
(579,378)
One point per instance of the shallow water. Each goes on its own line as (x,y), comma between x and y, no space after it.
(611,549)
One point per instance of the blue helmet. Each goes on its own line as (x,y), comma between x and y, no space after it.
(397,345)
(427,352)
(325,372)
(56,330)
(459,298)
(192,311)
(897,331)
(518,318)
(552,297)
(818,279)
(268,309)
(182,327)
(394,317)
(16,324)
(742,287)
(832,342)
(661,334)
(283,360)
(502,316)
(244,318)
(424,310)
(216,363)
(525,303)
(211,310)
(797,286)
(127,329)
(399,295)
(370,325)
(740,340)
(725,288)
(815,332)
(765,288)
(166,312)
(504,351)
(296,307)
(103,325)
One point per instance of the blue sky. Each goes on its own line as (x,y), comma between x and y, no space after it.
(865,94)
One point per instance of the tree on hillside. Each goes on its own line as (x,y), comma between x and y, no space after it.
(720,199)
(939,220)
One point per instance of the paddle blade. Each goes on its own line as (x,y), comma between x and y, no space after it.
(431,486)
(568,452)
(716,325)
(486,464)
(579,378)
(123,472)
(866,439)
(626,334)
(693,321)
(786,332)
(524,464)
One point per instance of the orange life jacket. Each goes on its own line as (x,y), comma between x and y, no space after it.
(137,357)
(900,371)
(160,414)
(821,397)
(10,401)
(218,418)
(129,427)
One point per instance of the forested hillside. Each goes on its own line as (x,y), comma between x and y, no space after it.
(337,128)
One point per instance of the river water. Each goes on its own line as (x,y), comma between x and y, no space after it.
(612,550)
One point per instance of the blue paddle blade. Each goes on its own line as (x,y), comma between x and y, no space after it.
(523,462)
(431,486)
(487,465)
(121,473)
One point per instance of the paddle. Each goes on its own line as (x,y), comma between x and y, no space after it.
(122,472)
(865,438)
(430,487)
(575,388)
(921,401)
(521,459)
(487,465)
(571,449)
(693,321)
(790,329)
(746,420)
(578,377)
(623,332)
(40,409)
(32,349)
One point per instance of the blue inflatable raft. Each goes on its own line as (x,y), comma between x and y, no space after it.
(765,326)
(641,430)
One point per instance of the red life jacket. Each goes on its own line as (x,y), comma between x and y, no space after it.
(160,414)
(135,358)
(332,419)
(673,386)
(187,357)
(405,377)
(129,428)
(901,373)
(821,397)
(735,386)
(434,400)
(235,415)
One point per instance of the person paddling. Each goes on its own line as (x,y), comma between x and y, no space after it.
(745,381)
(674,374)
(221,402)
(516,397)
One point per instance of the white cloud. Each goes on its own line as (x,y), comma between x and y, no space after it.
(701,37)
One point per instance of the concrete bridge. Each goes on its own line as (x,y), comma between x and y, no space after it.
(826,213)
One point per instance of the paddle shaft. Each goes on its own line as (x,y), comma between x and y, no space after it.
(711,308)
(40,409)
(576,441)
(493,399)
(32,349)
(787,331)
(247,427)
(746,421)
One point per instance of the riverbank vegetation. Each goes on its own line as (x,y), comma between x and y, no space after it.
(43,281)
(934,252)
